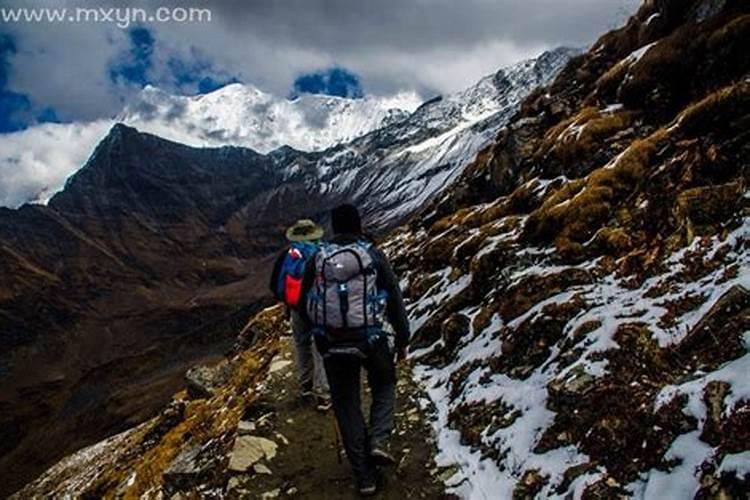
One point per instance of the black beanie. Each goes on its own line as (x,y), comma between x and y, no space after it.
(345,220)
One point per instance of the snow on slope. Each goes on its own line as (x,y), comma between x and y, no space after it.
(611,304)
(34,163)
(243,115)
(394,171)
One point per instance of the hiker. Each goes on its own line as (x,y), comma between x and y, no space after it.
(350,290)
(286,285)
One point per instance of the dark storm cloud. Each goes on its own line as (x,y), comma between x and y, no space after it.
(415,25)
(427,46)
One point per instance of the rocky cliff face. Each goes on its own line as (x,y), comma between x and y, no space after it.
(155,252)
(580,295)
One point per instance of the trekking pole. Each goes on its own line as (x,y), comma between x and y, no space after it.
(337,439)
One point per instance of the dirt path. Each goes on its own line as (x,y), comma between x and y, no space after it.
(306,464)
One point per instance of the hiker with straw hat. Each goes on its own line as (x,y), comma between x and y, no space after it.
(286,285)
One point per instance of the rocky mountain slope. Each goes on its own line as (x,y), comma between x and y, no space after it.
(580,295)
(155,252)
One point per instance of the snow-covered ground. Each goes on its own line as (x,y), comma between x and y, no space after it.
(609,304)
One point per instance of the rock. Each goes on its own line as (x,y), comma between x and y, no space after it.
(454,329)
(570,388)
(262,469)
(271,494)
(203,381)
(717,337)
(233,483)
(237,485)
(192,467)
(281,438)
(244,427)
(249,450)
(530,485)
(713,397)
(278,364)
(448,472)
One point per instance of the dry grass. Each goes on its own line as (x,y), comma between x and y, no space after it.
(608,85)
(679,69)
(204,420)
(581,207)
(719,106)
(556,134)
(450,221)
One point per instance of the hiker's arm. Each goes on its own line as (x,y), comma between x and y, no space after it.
(308,281)
(275,274)
(395,311)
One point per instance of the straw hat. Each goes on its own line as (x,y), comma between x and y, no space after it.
(304,230)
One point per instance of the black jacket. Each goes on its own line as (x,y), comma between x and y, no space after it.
(387,281)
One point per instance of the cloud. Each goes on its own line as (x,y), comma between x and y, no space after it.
(34,163)
(134,67)
(16,110)
(431,46)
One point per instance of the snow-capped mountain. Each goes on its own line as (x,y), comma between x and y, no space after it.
(442,133)
(35,163)
(394,171)
(242,115)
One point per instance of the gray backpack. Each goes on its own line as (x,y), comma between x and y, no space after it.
(345,295)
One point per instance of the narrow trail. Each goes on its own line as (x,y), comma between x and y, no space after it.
(306,463)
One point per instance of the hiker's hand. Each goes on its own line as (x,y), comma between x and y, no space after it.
(401,353)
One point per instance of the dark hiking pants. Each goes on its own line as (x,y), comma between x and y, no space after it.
(343,372)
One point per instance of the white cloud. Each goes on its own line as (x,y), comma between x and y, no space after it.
(67,69)
(34,163)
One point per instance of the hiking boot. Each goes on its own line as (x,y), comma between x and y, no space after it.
(306,390)
(380,456)
(368,489)
(322,403)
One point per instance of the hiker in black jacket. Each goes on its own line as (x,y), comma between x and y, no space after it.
(347,350)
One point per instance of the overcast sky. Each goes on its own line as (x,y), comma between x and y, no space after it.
(83,71)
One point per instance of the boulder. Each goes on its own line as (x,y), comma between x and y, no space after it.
(249,450)
(195,466)
(203,381)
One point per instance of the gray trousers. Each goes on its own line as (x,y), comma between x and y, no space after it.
(310,370)
(344,375)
